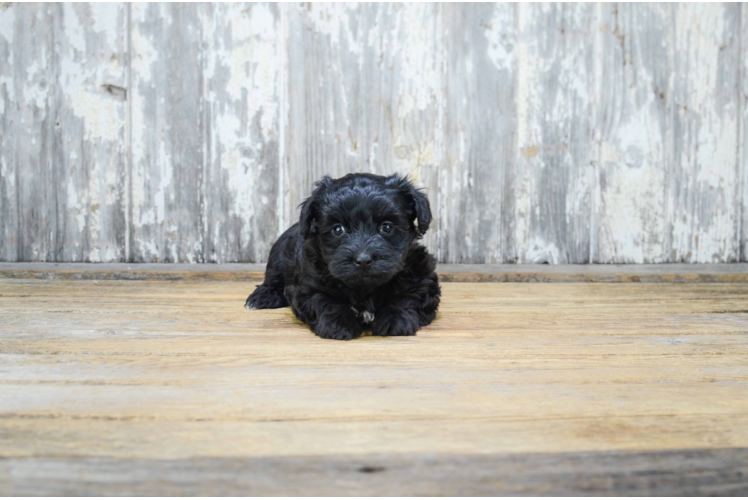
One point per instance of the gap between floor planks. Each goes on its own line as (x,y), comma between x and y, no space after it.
(530,273)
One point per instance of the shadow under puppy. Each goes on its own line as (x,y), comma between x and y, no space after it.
(353,260)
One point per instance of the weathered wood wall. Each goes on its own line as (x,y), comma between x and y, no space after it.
(560,133)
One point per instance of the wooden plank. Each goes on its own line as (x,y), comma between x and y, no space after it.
(635,132)
(8,187)
(704,186)
(476,191)
(366,94)
(699,472)
(590,273)
(553,186)
(168,133)
(91,154)
(242,106)
(631,387)
(166,272)
(32,132)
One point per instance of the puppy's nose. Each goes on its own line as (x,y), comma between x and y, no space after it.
(363,260)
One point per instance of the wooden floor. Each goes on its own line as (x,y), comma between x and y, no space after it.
(172,387)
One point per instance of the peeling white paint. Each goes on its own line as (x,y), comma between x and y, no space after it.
(420,69)
(5,85)
(83,84)
(553,182)
(106,22)
(540,251)
(630,214)
(165,179)
(7,24)
(705,215)
(144,56)
(74,34)
(583,141)
(91,58)
(100,113)
(501,43)
(244,109)
(35,91)
(330,20)
(144,61)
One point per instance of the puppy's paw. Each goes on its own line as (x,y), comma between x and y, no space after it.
(341,334)
(393,322)
(265,297)
(338,329)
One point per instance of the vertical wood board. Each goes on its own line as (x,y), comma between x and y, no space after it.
(704,187)
(633,137)
(476,194)
(8,186)
(242,130)
(91,153)
(32,122)
(168,133)
(743,157)
(555,172)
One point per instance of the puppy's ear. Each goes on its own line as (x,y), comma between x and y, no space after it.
(306,220)
(418,201)
(310,206)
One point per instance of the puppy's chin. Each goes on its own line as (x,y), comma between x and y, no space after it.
(366,281)
(363,281)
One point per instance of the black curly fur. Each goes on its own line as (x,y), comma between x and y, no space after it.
(316,272)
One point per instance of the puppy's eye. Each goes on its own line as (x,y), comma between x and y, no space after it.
(338,230)
(386,228)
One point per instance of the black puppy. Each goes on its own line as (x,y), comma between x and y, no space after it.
(353,260)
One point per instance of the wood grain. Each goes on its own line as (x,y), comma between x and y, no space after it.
(666,473)
(705,185)
(168,133)
(139,375)
(630,219)
(242,67)
(553,187)
(91,152)
(476,189)
(8,173)
(32,133)
(743,150)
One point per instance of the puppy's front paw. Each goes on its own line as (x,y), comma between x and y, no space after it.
(394,322)
(339,329)
(266,297)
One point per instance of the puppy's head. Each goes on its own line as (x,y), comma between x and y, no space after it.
(362,225)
